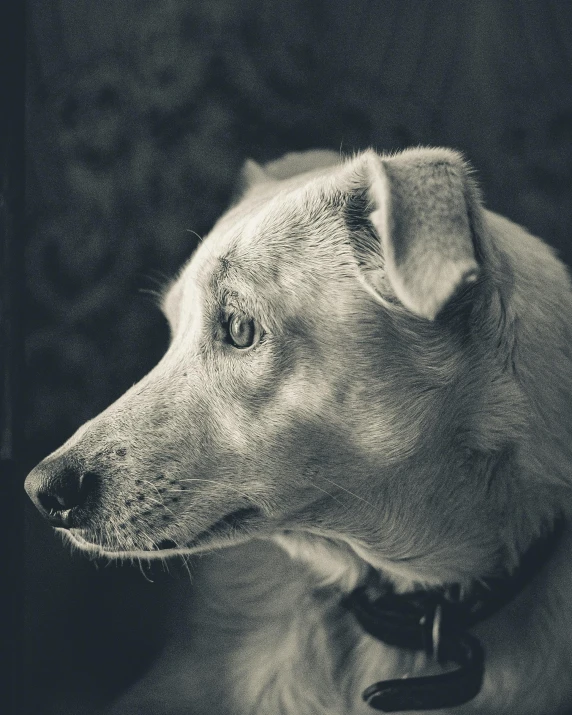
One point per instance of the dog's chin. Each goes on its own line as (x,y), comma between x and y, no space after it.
(232,529)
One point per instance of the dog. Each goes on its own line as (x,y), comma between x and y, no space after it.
(366,402)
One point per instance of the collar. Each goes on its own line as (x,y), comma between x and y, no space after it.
(437,622)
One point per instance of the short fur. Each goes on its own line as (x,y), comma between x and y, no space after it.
(408,408)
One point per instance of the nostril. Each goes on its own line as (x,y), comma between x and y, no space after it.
(60,492)
(87,484)
(65,492)
(52,502)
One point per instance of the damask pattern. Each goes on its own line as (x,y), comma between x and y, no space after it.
(142,112)
(138,147)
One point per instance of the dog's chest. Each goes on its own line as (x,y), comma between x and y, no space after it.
(295,651)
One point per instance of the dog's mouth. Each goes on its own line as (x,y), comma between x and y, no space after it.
(232,527)
(232,524)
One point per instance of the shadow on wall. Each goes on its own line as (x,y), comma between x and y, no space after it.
(140,116)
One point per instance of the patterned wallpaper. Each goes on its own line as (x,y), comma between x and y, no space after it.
(140,121)
(140,114)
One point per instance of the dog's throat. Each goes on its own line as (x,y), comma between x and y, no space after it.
(438,622)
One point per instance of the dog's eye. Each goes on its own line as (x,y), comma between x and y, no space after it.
(243,332)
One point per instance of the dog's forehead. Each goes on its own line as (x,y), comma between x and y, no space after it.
(286,222)
(285,233)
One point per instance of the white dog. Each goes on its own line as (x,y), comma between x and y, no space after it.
(372,374)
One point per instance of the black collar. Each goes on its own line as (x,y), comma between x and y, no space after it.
(437,622)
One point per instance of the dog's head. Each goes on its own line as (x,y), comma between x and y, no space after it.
(334,373)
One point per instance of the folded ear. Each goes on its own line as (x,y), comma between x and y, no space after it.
(423,200)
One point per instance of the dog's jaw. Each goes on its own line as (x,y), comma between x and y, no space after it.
(232,529)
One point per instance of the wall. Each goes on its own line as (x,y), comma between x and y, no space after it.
(139,117)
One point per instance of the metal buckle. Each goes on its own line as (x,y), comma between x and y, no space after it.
(420,621)
(436,632)
(431,624)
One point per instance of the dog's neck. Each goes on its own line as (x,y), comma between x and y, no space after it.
(437,622)
(488,594)
(524,625)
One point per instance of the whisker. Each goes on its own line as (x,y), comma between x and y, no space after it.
(156,276)
(141,568)
(156,295)
(201,238)
(186,565)
(328,493)
(339,486)
(161,503)
(212,481)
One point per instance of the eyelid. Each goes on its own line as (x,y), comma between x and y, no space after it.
(233,306)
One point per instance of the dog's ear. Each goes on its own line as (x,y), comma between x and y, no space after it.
(292,164)
(422,205)
(299,162)
(253,174)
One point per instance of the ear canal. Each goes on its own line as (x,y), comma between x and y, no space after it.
(422,202)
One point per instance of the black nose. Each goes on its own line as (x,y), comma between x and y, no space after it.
(57,486)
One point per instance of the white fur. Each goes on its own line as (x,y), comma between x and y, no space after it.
(408,409)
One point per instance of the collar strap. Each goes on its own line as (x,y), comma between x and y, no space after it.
(437,622)
(420,620)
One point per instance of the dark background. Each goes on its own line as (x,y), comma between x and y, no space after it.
(139,116)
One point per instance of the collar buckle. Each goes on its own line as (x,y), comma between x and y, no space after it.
(422,621)
(431,624)
(437,622)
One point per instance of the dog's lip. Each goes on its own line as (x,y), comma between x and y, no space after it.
(78,540)
(229,524)
(233,523)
